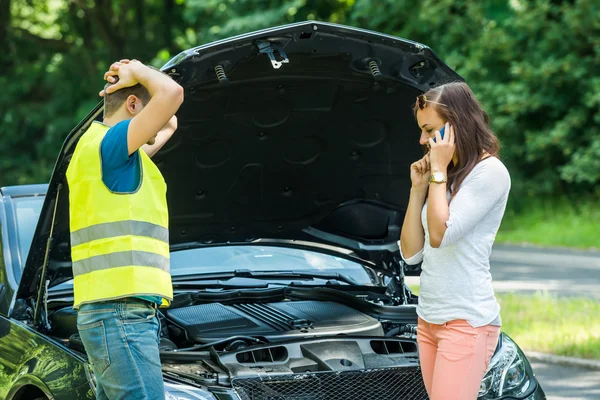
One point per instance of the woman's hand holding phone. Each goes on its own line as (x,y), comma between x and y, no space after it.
(442,149)
(441,132)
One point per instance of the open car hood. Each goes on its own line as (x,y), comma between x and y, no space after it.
(301,133)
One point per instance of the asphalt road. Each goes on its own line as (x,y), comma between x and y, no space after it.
(561,272)
(561,382)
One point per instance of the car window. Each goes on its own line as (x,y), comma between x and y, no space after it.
(27,212)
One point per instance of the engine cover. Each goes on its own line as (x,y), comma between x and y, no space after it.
(273,321)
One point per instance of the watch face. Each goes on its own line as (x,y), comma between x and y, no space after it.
(438,176)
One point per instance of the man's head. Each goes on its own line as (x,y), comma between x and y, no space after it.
(125,103)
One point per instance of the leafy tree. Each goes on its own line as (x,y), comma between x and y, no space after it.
(53,54)
(532,63)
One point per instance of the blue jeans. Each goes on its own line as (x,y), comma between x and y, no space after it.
(121,339)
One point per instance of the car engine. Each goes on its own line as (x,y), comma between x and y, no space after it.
(271,321)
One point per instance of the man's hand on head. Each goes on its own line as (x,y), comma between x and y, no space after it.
(121,74)
(157,115)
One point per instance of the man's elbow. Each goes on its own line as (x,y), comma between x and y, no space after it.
(176,94)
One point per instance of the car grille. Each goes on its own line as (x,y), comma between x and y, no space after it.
(373,384)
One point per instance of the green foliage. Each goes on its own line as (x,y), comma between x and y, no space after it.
(550,324)
(532,63)
(558,222)
(53,54)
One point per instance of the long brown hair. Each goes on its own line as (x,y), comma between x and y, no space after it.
(455,102)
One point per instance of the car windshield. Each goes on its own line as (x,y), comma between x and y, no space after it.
(223,259)
(263,258)
(27,212)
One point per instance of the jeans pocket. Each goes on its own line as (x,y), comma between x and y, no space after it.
(138,313)
(93,336)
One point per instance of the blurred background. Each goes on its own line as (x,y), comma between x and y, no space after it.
(534,64)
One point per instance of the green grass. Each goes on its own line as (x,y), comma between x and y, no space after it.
(556,222)
(563,326)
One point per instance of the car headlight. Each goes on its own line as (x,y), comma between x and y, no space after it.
(508,374)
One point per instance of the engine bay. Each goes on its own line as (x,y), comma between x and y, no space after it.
(218,336)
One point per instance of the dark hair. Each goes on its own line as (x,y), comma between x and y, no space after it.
(113,101)
(455,102)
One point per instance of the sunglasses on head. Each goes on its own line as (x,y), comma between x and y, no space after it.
(422,102)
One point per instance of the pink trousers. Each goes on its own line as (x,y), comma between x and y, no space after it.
(454,357)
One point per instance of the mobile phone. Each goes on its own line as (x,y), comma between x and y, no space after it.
(441,133)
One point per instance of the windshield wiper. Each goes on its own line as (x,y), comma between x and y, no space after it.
(245,273)
(222,283)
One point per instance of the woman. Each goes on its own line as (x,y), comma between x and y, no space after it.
(457,200)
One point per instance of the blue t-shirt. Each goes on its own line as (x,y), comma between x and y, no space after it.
(121,172)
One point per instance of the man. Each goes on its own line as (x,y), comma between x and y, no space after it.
(119,231)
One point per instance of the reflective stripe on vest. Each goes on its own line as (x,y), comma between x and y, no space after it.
(122,259)
(119,241)
(119,228)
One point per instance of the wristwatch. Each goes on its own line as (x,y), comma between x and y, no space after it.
(438,177)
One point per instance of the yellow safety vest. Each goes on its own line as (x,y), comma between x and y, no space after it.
(119,241)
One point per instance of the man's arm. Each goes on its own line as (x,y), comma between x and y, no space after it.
(162,138)
(166,97)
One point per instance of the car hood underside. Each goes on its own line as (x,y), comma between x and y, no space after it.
(302,133)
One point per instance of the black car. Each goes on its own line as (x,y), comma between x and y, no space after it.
(288,180)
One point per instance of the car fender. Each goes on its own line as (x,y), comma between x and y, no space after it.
(28,380)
